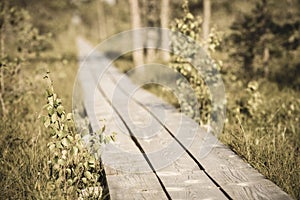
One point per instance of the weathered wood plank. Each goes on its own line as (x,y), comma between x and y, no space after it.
(182,177)
(123,186)
(235,176)
(132,186)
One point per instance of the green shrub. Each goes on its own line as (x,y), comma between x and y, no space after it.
(190,26)
(73,169)
(265,42)
(262,127)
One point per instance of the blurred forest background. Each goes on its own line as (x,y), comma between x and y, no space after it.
(255,45)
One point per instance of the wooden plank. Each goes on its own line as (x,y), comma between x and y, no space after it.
(262,189)
(120,186)
(123,186)
(182,178)
(235,176)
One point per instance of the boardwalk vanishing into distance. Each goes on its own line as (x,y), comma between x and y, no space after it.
(172,163)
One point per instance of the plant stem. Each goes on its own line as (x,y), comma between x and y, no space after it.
(2,49)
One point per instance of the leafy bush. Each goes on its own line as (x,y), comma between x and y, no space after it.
(72,167)
(262,110)
(35,165)
(262,116)
(190,26)
(262,127)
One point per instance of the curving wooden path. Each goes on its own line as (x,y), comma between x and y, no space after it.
(221,174)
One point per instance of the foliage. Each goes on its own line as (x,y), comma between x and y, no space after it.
(72,167)
(262,116)
(263,44)
(22,154)
(190,26)
(24,145)
(262,110)
(49,17)
(262,127)
(262,121)
(19,40)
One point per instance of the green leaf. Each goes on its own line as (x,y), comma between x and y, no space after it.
(60,109)
(69,172)
(50,101)
(69,116)
(84,180)
(51,147)
(54,117)
(47,123)
(86,165)
(50,111)
(58,145)
(65,142)
(74,150)
(92,163)
(103,129)
(88,175)
(189,16)
(75,179)
(61,162)
(70,138)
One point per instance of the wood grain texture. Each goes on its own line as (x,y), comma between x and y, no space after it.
(180,175)
(125,187)
(204,168)
(236,177)
(130,186)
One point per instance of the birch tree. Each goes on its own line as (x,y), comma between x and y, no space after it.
(206,21)
(101,20)
(136,23)
(164,22)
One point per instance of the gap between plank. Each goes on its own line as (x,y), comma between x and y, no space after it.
(170,133)
(134,139)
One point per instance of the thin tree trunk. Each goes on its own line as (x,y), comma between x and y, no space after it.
(152,34)
(206,21)
(266,57)
(164,21)
(2,49)
(137,40)
(101,20)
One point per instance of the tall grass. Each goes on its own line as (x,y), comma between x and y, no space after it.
(269,138)
(23,143)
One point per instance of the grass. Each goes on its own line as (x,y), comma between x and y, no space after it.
(269,140)
(23,142)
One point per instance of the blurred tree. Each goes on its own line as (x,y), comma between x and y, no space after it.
(206,20)
(136,23)
(3,21)
(151,21)
(198,108)
(101,20)
(49,16)
(19,40)
(266,37)
(248,31)
(164,23)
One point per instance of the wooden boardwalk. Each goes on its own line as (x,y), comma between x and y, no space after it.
(146,168)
